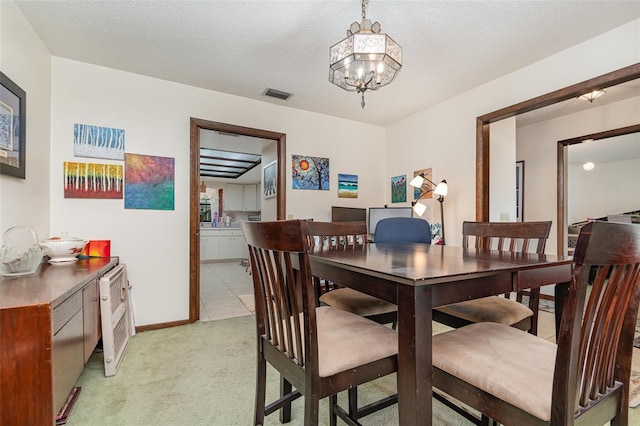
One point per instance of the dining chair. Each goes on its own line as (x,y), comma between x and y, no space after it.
(319,351)
(402,229)
(518,378)
(341,236)
(514,237)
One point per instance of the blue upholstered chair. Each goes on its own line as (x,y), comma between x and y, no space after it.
(402,229)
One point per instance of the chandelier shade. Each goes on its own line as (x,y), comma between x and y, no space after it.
(364,62)
(366,59)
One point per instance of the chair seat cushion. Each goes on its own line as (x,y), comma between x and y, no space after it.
(489,309)
(521,364)
(356,302)
(347,341)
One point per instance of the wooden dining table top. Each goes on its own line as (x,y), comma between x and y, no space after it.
(418,277)
(424,264)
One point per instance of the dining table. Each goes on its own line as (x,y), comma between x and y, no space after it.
(419,277)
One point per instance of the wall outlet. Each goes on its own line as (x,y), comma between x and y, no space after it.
(504,217)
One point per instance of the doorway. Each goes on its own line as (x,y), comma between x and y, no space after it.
(632,72)
(194,194)
(563,145)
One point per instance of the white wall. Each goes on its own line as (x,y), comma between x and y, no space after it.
(444,136)
(502,151)
(155,115)
(610,188)
(25,60)
(537,146)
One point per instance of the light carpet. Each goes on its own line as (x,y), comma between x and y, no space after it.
(202,374)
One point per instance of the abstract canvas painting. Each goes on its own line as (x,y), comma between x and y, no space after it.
(98,142)
(149,182)
(418,191)
(399,189)
(310,172)
(87,180)
(347,186)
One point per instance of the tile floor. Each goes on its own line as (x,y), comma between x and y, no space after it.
(223,288)
(226,291)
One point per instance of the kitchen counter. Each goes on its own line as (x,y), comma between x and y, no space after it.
(230,228)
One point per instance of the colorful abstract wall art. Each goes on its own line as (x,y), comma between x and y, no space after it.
(98,142)
(399,189)
(417,191)
(347,186)
(149,182)
(88,180)
(310,172)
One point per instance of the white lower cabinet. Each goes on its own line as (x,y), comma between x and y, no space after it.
(209,247)
(222,244)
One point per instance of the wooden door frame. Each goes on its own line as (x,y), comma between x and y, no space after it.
(631,72)
(194,195)
(562,171)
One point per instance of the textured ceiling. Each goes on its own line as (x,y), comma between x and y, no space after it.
(243,47)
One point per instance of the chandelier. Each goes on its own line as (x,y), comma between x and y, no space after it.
(366,60)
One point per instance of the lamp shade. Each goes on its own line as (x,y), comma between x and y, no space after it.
(419,208)
(442,188)
(417,181)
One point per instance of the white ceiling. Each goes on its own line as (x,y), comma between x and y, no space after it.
(243,47)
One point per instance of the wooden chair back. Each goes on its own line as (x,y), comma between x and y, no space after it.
(515,237)
(595,342)
(283,289)
(522,237)
(337,235)
(287,328)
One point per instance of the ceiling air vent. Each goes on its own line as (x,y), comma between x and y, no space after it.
(278,94)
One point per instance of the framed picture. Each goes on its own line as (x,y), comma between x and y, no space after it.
(270,180)
(309,172)
(519,191)
(399,189)
(13,114)
(347,186)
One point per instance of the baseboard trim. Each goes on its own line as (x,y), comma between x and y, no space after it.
(162,325)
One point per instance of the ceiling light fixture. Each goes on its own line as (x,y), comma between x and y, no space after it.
(588,166)
(592,95)
(366,60)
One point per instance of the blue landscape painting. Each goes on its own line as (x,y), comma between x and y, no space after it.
(347,186)
(98,142)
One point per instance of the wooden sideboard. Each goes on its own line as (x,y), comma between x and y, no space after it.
(49,326)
